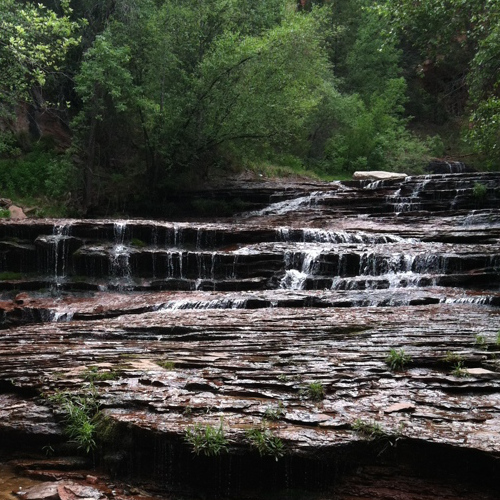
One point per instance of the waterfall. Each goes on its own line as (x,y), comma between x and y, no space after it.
(295,279)
(60,236)
(287,206)
(120,256)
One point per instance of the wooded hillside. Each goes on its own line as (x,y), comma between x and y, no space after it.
(111,104)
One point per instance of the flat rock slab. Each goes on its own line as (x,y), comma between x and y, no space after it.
(244,363)
(378,175)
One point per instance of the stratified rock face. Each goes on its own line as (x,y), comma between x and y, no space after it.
(356,311)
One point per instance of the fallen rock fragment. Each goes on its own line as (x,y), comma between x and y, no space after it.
(74,491)
(43,491)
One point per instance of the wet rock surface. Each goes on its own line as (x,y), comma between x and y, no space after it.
(354,322)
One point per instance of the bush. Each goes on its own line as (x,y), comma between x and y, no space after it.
(266,443)
(208,440)
(81,414)
(397,360)
(314,391)
(479,191)
(37,173)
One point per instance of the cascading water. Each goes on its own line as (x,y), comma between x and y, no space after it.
(60,236)
(120,272)
(254,312)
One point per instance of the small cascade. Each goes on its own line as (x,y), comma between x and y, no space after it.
(315,235)
(174,264)
(53,251)
(230,303)
(119,255)
(287,206)
(61,316)
(408,197)
(60,237)
(294,278)
(455,167)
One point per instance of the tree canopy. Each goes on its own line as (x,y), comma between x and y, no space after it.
(165,92)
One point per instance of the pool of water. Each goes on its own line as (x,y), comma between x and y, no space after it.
(11,482)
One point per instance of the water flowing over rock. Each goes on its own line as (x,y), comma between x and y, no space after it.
(282,320)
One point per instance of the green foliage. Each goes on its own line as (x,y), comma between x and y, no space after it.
(453,358)
(80,416)
(397,360)
(168,365)
(479,191)
(480,341)
(34,41)
(459,370)
(458,55)
(266,443)
(275,412)
(4,213)
(373,135)
(136,242)
(199,82)
(10,276)
(498,338)
(37,173)
(93,374)
(207,440)
(313,391)
(170,92)
(370,430)
(8,145)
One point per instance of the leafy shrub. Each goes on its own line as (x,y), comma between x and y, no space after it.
(479,191)
(459,370)
(314,391)
(372,135)
(168,365)
(80,417)
(372,430)
(266,443)
(37,173)
(480,341)
(274,412)
(397,360)
(452,358)
(208,440)
(93,374)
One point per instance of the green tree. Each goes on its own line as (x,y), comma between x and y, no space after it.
(194,79)
(458,46)
(33,44)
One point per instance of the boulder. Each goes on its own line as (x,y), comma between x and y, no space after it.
(16,212)
(378,175)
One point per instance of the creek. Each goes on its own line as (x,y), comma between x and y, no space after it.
(230,323)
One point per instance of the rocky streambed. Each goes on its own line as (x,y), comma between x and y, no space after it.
(340,340)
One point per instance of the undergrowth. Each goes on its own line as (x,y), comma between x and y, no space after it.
(207,440)
(81,414)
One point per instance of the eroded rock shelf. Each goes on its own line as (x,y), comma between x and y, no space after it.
(231,323)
